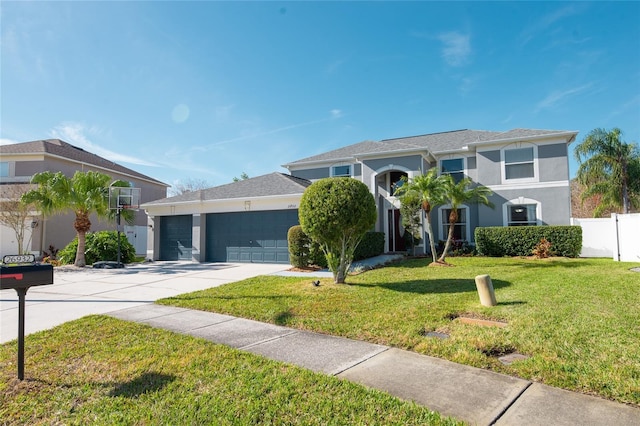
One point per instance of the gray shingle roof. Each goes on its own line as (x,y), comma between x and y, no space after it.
(63,149)
(433,143)
(272,184)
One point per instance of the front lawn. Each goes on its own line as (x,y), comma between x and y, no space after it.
(99,370)
(577,319)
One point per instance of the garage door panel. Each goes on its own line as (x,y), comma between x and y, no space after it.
(259,236)
(268,243)
(176,237)
(270,257)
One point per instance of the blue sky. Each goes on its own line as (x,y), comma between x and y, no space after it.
(208,90)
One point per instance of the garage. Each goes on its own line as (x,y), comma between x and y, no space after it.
(175,237)
(251,236)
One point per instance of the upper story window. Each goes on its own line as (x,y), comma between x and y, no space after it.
(396,180)
(453,167)
(520,163)
(340,171)
(4,169)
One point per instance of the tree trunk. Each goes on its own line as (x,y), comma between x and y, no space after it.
(453,218)
(432,244)
(80,260)
(341,273)
(82,224)
(625,190)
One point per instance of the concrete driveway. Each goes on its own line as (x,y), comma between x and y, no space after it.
(79,292)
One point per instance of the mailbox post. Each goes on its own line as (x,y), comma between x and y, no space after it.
(20,272)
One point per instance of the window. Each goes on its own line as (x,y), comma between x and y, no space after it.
(337,171)
(459,228)
(522,215)
(518,163)
(396,181)
(4,169)
(454,167)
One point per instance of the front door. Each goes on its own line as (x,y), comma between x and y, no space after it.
(395,231)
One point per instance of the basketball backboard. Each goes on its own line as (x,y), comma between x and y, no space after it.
(123,198)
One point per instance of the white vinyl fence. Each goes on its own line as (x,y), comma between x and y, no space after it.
(137,236)
(617,237)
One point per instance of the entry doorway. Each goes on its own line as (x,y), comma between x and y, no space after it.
(395,231)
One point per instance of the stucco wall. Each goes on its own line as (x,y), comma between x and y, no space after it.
(553,162)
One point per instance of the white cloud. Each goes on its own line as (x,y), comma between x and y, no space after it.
(624,107)
(542,25)
(4,141)
(457,48)
(335,114)
(74,133)
(559,96)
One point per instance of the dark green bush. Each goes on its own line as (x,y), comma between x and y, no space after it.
(102,245)
(316,255)
(458,248)
(298,243)
(521,240)
(304,252)
(372,244)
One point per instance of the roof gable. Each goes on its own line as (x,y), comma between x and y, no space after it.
(433,143)
(272,184)
(59,148)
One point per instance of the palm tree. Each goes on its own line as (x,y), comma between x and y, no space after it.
(84,193)
(458,194)
(611,169)
(429,188)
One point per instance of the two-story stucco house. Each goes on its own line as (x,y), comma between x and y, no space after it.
(20,161)
(527,170)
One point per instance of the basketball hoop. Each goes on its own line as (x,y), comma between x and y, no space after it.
(123,198)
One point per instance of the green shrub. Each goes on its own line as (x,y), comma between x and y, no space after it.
(298,243)
(102,245)
(316,255)
(458,248)
(337,212)
(522,240)
(372,244)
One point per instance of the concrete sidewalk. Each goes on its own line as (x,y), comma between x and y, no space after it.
(474,395)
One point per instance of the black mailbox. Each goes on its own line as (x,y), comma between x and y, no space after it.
(19,272)
(25,276)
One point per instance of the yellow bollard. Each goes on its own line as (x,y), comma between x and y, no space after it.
(485,290)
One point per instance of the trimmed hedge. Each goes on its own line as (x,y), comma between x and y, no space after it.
(298,243)
(304,252)
(521,240)
(372,244)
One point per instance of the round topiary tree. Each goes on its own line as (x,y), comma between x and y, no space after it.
(336,213)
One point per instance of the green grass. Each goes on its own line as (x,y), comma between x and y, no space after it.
(99,370)
(577,319)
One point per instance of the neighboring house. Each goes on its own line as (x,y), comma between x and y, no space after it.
(527,170)
(20,161)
